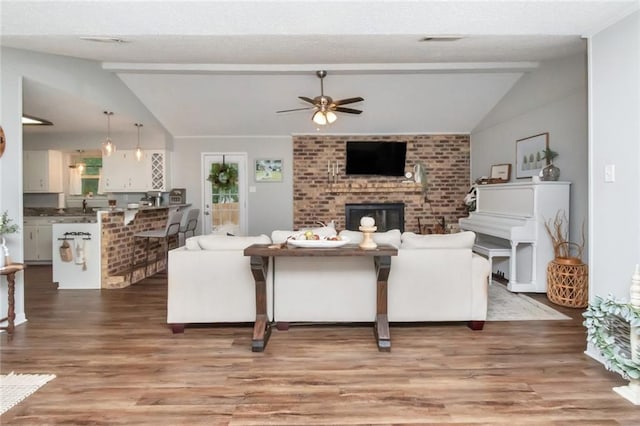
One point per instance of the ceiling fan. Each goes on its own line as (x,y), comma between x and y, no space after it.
(325,107)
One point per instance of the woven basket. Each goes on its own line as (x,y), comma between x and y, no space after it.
(567,282)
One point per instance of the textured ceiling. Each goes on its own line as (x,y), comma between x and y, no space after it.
(272,38)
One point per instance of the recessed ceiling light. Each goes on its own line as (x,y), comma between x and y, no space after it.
(35,121)
(442,38)
(99,39)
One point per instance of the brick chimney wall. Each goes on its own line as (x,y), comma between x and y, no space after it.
(317,196)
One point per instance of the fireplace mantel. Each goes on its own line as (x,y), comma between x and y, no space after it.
(354,187)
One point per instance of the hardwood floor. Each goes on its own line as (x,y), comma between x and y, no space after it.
(117,363)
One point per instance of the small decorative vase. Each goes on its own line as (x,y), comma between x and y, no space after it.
(4,254)
(550,172)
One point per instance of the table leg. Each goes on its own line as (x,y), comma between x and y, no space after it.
(262,327)
(381,327)
(11,303)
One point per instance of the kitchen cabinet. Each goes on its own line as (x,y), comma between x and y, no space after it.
(38,241)
(42,171)
(121,172)
(158,170)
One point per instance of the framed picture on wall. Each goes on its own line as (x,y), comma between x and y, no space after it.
(500,173)
(268,170)
(530,155)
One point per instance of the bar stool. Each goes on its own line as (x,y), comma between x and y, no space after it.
(189,223)
(163,237)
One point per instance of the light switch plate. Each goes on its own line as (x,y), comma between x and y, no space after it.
(610,173)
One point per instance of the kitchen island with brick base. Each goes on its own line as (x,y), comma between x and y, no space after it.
(119,249)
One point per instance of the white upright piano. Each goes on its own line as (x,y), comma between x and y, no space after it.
(509,219)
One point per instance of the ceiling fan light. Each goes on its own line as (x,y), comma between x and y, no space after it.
(319,118)
(331,116)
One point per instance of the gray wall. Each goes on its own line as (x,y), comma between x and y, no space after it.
(270,206)
(550,99)
(615,139)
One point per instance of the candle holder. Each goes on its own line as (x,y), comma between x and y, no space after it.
(367,240)
(367,227)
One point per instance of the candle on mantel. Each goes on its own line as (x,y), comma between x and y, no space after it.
(367,222)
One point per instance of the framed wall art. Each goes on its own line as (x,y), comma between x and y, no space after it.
(268,170)
(500,173)
(530,155)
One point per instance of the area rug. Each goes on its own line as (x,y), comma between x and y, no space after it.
(507,306)
(16,387)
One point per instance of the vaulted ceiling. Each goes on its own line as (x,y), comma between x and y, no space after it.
(225,67)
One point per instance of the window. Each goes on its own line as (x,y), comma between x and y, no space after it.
(90,177)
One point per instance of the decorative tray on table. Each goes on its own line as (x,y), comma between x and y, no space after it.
(318,243)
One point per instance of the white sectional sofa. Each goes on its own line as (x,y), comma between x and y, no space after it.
(210,281)
(433,278)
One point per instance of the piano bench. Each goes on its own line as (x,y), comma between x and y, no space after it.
(491,250)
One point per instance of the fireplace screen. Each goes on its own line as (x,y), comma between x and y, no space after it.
(387,215)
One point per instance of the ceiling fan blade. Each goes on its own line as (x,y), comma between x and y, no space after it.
(347,110)
(349,101)
(309,100)
(295,109)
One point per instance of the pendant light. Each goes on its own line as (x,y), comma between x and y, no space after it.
(138,150)
(108,147)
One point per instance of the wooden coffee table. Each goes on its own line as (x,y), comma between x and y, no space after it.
(260,254)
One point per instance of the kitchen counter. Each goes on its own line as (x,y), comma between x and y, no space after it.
(53,212)
(130,214)
(164,206)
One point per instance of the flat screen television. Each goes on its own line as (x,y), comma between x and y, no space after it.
(376,158)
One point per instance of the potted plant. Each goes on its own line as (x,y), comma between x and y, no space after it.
(550,172)
(6,227)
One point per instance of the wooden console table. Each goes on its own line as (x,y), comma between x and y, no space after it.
(10,272)
(260,254)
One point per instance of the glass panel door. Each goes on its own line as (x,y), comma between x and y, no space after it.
(224,192)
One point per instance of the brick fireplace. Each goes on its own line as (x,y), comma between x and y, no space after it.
(318,196)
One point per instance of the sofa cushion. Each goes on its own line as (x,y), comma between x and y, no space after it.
(224,242)
(280,236)
(392,237)
(438,241)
